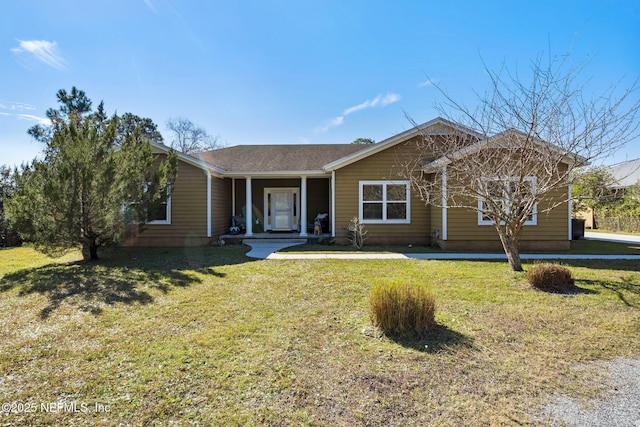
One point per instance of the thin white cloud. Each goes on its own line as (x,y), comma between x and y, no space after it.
(335,122)
(429,82)
(15,106)
(43,50)
(390,99)
(379,100)
(40,120)
(19,110)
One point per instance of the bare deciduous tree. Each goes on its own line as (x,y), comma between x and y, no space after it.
(511,158)
(189,137)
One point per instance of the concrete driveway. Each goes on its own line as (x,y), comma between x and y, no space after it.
(611,237)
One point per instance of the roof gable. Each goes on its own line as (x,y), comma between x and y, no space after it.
(501,140)
(437,126)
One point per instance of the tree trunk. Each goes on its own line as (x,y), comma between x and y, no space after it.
(511,246)
(513,254)
(90,251)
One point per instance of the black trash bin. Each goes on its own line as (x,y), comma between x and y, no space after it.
(577,228)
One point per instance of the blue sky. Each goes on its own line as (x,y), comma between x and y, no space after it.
(290,72)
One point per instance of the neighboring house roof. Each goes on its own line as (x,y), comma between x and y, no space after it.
(626,173)
(278,158)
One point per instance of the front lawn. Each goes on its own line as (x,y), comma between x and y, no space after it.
(577,247)
(207,336)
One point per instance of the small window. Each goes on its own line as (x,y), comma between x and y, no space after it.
(505,193)
(159,212)
(384,202)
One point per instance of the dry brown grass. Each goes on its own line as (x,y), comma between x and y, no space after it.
(207,337)
(399,308)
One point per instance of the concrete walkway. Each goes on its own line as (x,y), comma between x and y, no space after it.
(262,249)
(443,256)
(268,249)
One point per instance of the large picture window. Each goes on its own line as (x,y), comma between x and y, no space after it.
(506,193)
(384,202)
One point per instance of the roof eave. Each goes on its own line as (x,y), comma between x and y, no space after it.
(275,174)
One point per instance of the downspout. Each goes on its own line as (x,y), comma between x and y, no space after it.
(444,203)
(208,173)
(570,209)
(333,203)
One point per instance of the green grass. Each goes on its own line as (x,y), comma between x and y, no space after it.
(604,248)
(206,336)
(577,247)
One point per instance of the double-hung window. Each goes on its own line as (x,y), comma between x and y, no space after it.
(507,193)
(384,202)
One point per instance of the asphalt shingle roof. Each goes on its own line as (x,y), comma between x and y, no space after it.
(278,158)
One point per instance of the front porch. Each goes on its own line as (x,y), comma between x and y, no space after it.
(282,207)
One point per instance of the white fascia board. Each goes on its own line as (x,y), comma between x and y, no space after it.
(163,149)
(277,174)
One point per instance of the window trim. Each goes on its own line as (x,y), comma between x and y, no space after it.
(384,202)
(534,212)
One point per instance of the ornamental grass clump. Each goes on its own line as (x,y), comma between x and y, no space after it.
(550,278)
(399,308)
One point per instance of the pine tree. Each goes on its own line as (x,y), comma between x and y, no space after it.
(95,169)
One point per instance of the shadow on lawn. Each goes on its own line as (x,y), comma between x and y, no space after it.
(627,289)
(438,339)
(120,277)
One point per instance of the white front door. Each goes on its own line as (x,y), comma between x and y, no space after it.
(282,209)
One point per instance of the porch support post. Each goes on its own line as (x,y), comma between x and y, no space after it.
(444,203)
(248,209)
(302,222)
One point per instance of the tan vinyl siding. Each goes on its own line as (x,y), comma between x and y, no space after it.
(463,224)
(436,221)
(220,206)
(188,213)
(551,226)
(380,166)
